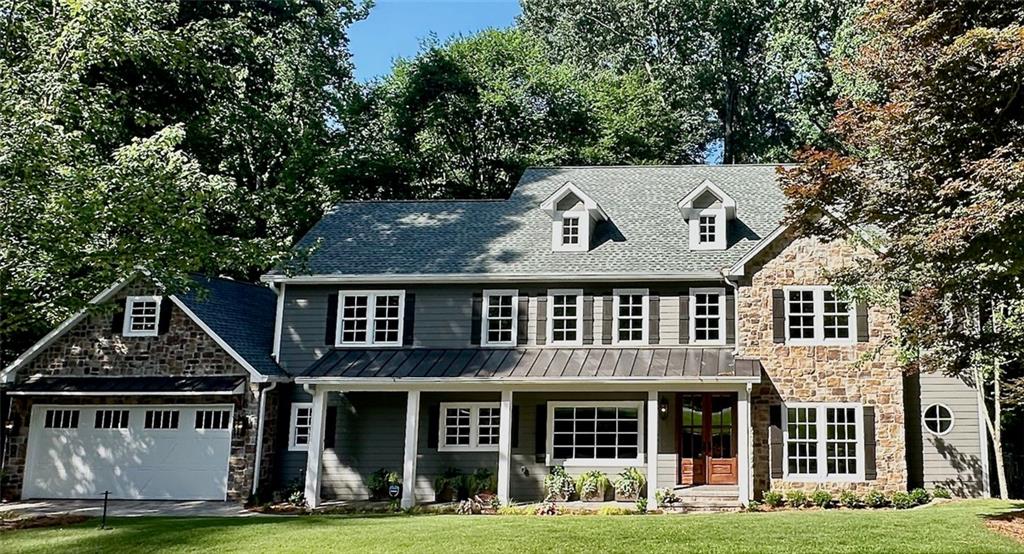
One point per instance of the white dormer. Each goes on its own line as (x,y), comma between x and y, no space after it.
(574,214)
(707,209)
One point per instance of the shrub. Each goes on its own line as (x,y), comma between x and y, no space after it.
(480,481)
(941,492)
(875,499)
(920,496)
(849,499)
(450,485)
(796,499)
(630,483)
(773,499)
(901,500)
(547,509)
(821,499)
(614,511)
(641,504)
(592,485)
(516,511)
(753,506)
(558,484)
(665,497)
(380,480)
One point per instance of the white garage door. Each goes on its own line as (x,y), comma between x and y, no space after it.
(135,452)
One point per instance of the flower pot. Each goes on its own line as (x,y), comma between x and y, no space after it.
(557,498)
(598,496)
(626,497)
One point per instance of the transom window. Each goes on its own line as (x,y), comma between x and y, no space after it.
(61,419)
(823,442)
(500,313)
(631,316)
(815,315)
(301,422)
(570,230)
(213,419)
(596,433)
(370,317)
(141,316)
(706,229)
(938,419)
(565,316)
(111,419)
(469,426)
(161,419)
(707,316)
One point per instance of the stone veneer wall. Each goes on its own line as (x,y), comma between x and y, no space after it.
(867,372)
(91,348)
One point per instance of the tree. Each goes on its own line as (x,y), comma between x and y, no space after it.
(931,156)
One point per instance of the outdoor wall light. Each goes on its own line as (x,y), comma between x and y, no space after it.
(663,407)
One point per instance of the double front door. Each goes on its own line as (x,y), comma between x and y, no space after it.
(707,439)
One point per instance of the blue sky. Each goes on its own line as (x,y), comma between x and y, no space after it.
(395,28)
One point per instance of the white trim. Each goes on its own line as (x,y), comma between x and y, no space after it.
(255,376)
(653,420)
(819,317)
(260,424)
(371,319)
(646,317)
(549,205)
(924,422)
(237,390)
(579,316)
(720,218)
(550,459)
(474,427)
(744,443)
(412,426)
(738,268)
(504,447)
(685,205)
(485,304)
(541,384)
(278,322)
(293,423)
(314,456)
(720,291)
(129,305)
(410,278)
(822,474)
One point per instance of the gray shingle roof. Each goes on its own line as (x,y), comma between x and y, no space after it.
(532,363)
(240,313)
(647,234)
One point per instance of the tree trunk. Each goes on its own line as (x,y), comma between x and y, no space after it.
(994,425)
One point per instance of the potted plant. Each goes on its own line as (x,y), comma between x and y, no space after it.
(482,482)
(558,486)
(449,485)
(592,486)
(629,485)
(381,481)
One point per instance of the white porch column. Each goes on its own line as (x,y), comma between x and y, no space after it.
(504,446)
(652,449)
(314,454)
(743,447)
(412,433)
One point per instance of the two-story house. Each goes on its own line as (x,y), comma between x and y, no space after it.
(659,318)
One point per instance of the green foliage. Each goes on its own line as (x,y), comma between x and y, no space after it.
(941,492)
(480,481)
(641,504)
(901,500)
(875,499)
(666,497)
(821,498)
(850,499)
(516,510)
(451,484)
(630,482)
(558,484)
(796,499)
(754,506)
(379,482)
(773,499)
(591,485)
(614,511)
(920,496)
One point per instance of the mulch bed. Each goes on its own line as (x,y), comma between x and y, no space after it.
(1011,525)
(34,522)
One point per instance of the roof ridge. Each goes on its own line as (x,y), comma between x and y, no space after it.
(230,280)
(655,166)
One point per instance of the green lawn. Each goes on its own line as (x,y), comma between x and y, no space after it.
(955,527)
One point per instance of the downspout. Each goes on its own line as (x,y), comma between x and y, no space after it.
(735,310)
(259,436)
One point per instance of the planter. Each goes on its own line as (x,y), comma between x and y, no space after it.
(598,496)
(557,498)
(626,497)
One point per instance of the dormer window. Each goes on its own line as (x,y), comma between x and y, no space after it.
(570,231)
(707,229)
(574,214)
(707,209)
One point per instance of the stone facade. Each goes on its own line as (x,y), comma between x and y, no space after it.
(92,348)
(865,372)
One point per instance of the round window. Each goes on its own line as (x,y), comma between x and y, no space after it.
(938,419)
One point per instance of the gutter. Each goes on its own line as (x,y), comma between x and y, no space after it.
(736,312)
(376,278)
(259,435)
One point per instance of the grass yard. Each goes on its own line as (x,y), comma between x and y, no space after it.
(953,527)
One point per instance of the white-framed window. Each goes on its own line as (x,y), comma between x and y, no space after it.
(706,230)
(111,419)
(707,316)
(370,317)
(938,419)
(570,230)
(468,426)
(161,419)
(213,419)
(141,316)
(815,316)
(595,433)
(631,313)
(565,316)
(500,315)
(61,419)
(823,442)
(300,424)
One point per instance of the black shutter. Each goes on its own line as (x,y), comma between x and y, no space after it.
(331,326)
(778,316)
(409,319)
(775,441)
(330,426)
(607,319)
(730,318)
(588,319)
(433,425)
(523,330)
(654,319)
(862,322)
(165,315)
(477,321)
(684,317)
(117,322)
(540,432)
(515,426)
(542,320)
(870,471)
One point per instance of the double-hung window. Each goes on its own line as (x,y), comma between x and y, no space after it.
(565,316)
(595,433)
(370,318)
(469,426)
(816,315)
(824,442)
(707,316)
(301,423)
(500,311)
(141,316)
(631,308)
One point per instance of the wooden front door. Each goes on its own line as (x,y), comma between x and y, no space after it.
(707,439)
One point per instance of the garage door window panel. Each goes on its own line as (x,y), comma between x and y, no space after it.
(161,419)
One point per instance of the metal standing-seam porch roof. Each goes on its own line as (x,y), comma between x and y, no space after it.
(531,364)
